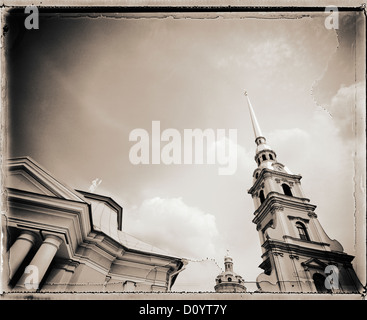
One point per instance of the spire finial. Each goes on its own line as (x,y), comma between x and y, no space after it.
(255,124)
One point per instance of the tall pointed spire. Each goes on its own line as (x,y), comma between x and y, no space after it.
(265,156)
(255,124)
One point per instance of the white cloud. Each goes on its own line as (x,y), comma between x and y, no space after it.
(172,225)
(289,144)
(344,107)
(236,155)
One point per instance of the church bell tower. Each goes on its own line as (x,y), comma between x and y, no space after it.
(297,254)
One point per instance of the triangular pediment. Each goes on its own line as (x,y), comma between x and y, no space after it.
(314,263)
(26,175)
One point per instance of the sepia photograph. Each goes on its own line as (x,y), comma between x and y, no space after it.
(172,152)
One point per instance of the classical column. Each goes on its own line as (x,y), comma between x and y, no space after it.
(41,261)
(19,251)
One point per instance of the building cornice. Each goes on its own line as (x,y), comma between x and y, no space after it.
(270,245)
(306,241)
(76,211)
(39,174)
(108,201)
(276,201)
(265,172)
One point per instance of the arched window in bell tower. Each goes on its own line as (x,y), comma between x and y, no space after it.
(302,231)
(287,190)
(319,281)
(270,157)
(258,161)
(264,157)
(262,197)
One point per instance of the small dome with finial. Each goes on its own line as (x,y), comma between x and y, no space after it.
(228,280)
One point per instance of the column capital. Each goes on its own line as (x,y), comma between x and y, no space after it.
(28,236)
(53,240)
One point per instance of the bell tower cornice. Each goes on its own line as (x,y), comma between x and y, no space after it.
(265,172)
(277,202)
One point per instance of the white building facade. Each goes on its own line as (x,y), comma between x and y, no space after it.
(57,239)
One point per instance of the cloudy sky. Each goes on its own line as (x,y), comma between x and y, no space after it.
(79,85)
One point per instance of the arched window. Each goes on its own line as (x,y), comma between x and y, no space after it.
(256,175)
(319,281)
(302,231)
(262,197)
(270,157)
(287,190)
(258,161)
(264,157)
